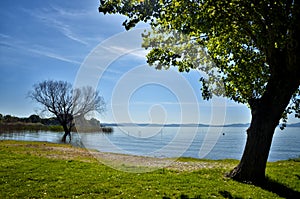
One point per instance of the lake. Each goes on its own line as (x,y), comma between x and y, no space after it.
(202,142)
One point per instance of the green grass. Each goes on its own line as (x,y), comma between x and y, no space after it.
(35,170)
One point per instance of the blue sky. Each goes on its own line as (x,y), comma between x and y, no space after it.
(59,40)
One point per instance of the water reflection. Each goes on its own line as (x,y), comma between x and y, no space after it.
(43,136)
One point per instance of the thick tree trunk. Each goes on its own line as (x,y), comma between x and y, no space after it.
(266,113)
(251,168)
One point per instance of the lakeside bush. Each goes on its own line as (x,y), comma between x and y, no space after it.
(10,123)
(21,126)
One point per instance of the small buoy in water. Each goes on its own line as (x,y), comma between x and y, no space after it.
(223,133)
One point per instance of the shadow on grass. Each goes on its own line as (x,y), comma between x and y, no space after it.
(279,189)
(183,196)
(227,194)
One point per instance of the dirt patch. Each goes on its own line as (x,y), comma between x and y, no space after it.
(112,159)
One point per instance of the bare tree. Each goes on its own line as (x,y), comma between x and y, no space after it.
(58,98)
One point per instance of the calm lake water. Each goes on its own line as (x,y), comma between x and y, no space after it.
(210,143)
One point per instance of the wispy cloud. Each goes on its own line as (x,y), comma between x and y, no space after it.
(8,41)
(4,36)
(141,53)
(69,12)
(53,55)
(5,44)
(53,19)
(21,46)
(4,40)
(66,30)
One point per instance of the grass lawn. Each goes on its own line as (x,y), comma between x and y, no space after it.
(35,170)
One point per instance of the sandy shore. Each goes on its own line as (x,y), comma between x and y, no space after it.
(124,162)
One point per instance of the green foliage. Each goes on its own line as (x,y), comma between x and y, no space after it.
(240,45)
(56,128)
(21,126)
(30,170)
(10,123)
(32,119)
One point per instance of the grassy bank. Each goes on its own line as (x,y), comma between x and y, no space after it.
(44,170)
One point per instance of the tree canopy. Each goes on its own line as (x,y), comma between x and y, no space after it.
(241,38)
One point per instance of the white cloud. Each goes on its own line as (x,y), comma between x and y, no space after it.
(68,12)
(54,18)
(53,55)
(65,30)
(22,46)
(4,36)
(139,53)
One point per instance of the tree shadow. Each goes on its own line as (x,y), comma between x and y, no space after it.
(279,189)
(268,185)
(183,196)
(227,194)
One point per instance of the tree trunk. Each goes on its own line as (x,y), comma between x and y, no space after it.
(67,133)
(251,168)
(266,113)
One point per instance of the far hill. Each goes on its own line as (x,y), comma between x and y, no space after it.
(187,125)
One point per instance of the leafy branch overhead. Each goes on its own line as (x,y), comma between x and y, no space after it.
(231,41)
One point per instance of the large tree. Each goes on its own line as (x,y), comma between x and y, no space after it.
(255,50)
(58,98)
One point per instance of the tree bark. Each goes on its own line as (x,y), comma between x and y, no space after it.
(67,133)
(266,113)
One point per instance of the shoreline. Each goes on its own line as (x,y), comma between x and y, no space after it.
(116,160)
(121,161)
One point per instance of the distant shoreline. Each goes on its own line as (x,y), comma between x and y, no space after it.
(23,126)
(185,125)
(10,123)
